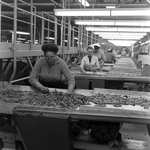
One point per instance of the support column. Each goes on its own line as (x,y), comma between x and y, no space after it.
(61,43)
(55,34)
(42,29)
(48,29)
(69,34)
(73,36)
(79,37)
(34,26)
(81,43)
(31,27)
(64,31)
(14,41)
(1,67)
(87,38)
(0,21)
(91,37)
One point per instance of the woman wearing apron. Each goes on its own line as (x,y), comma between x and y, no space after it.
(50,71)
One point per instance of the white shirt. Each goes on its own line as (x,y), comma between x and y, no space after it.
(86,65)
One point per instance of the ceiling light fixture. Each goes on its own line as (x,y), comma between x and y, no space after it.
(123,38)
(51,38)
(103,12)
(113,22)
(120,33)
(82,12)
(84,3)
(148,1)
(110,7)
(121,42)
(147,42)
(120,29)
(94,22)
(130,12)
(132,23)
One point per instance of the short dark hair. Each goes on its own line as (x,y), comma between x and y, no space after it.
(50,47)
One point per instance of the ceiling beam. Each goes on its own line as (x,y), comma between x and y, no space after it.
(91,4)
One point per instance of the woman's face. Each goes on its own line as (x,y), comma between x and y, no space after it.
(50,58)
(90,52)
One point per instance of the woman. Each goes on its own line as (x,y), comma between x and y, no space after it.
(110,56)
(100,54)
(89,62)
(49,71)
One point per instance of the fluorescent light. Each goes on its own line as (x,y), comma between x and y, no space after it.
(94,22)
(125,38)
(135,29)
(82,12)
(147,42)
(130,12)
(100,29)
(84,3)
(148,1)
(121,42)
(103,12)
(113,22)
(20,32)
(21,38)
(118,29)
(75,38)
(119,33)
(132,23)
(51,38)
(110,7)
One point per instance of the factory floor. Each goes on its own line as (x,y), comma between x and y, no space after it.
(134,137)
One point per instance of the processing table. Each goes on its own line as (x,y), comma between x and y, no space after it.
(125,114)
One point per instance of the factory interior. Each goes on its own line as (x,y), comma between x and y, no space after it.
(74,74)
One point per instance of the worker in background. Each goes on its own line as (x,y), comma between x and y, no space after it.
(89,62)
(100,54)
(110,56)
(50,70)
(123,53)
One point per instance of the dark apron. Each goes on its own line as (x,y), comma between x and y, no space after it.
(55,84)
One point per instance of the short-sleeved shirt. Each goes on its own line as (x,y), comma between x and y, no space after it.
(87,65)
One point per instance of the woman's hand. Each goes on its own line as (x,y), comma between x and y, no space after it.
(83,72)
(44,90)
(69,92)
(94,69)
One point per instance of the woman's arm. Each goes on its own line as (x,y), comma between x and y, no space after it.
(82,65)
(33,79)
(113,58)
(97,64)
(68,75)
